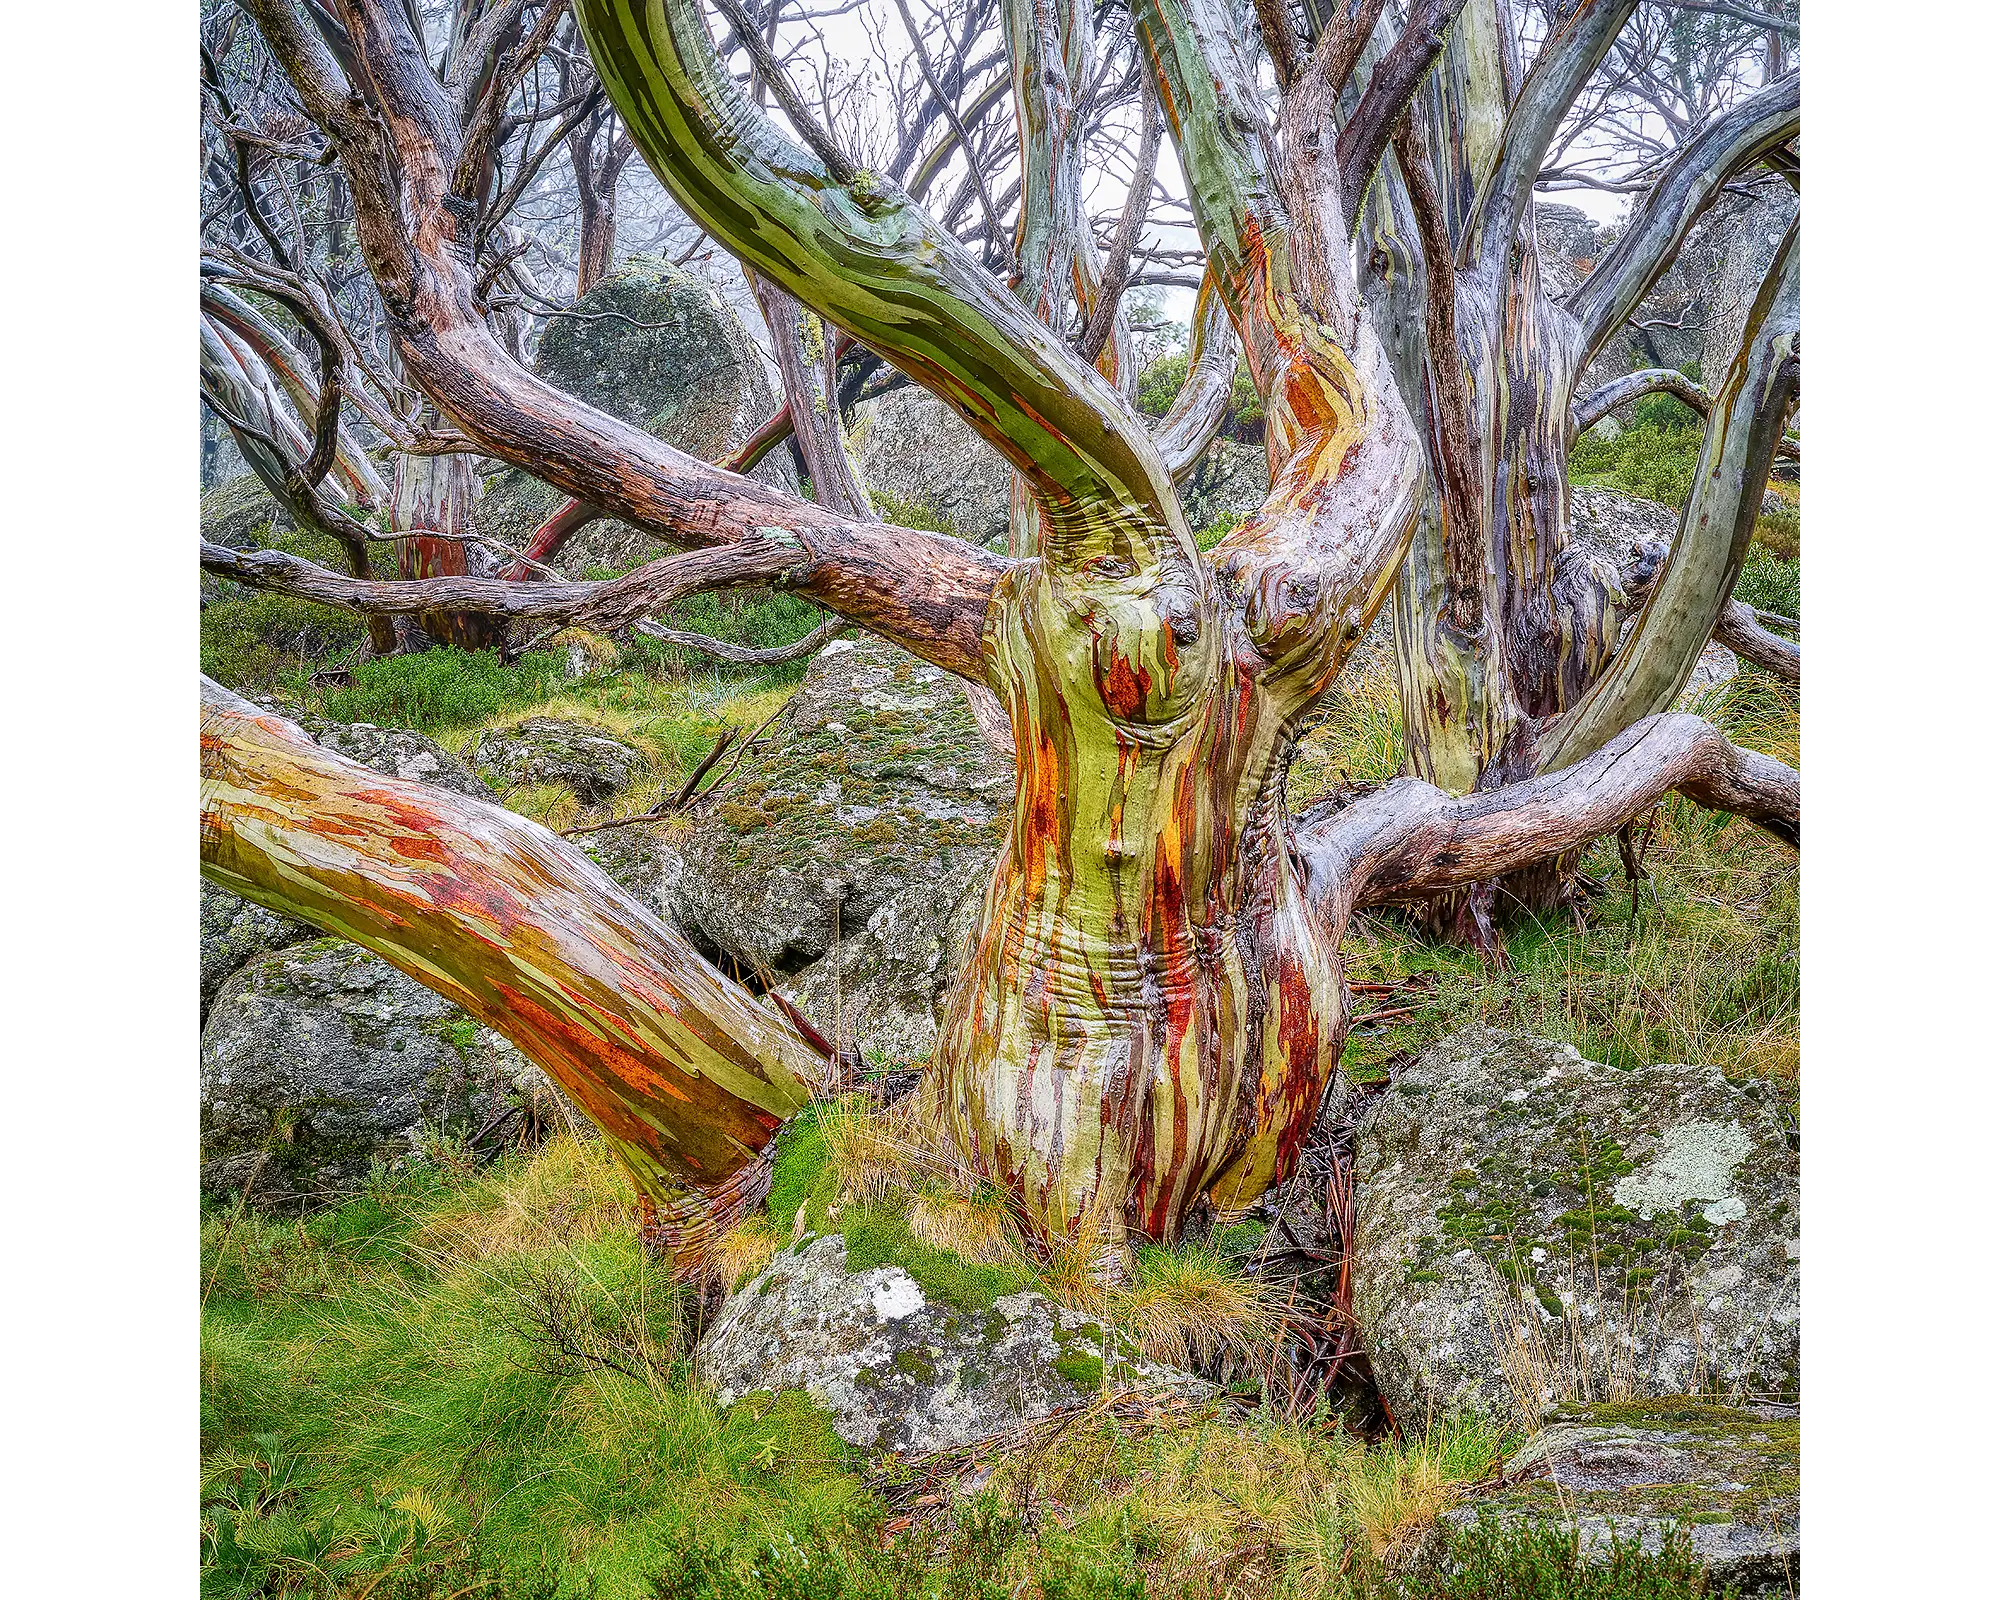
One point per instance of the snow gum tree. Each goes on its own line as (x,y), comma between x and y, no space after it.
(1152,1010)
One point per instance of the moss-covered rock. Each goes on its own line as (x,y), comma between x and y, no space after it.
(655,347)
(868,821)
(1632,1470)
(1526,1215)
(321,1059)
(235,932)
(232,512)
(907,1371)
(583,758)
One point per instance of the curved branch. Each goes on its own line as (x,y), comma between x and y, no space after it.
(869,260)
(1739,628)
(263,339)
(1653,664)
(1395,80)
(743,655)
(1412,840)
(1589,412)
(1736,139)
(1570,55)
(1647,380)
(1203,404)
(686,1074)
(781,560)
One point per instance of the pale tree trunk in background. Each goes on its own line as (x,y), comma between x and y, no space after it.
(237,381)
(434,495)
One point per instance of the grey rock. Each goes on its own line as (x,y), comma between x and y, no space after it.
(657,348)
(1526,1215)
(233,513)
(398,753)
(1715,666)
(235,931)
(900,1370)
(914,448)
(321,1059)
(1726,1477)
(867,818)
(1621,538)
(1229,480)
(592,764)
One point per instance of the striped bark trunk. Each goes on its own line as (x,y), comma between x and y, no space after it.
(433,495)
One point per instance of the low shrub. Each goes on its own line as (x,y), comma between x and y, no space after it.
(435,690)
(253,641)
(1769,583)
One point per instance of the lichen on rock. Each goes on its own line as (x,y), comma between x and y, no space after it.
(1530,1221)
(903,1371)
(1726,1477)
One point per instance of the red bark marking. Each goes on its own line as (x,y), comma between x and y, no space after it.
(1124,691)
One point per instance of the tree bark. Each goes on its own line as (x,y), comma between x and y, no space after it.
(687,1076)
(433,495)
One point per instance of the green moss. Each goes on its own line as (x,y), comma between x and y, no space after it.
(1081,1369)
(916,1363)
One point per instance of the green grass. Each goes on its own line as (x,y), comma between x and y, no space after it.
(434,691)
(1538,1561)
(1769,583)
(1706,970)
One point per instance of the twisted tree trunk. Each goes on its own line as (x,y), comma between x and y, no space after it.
(1152,1011)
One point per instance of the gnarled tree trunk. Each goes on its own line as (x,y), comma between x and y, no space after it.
(1153,1009)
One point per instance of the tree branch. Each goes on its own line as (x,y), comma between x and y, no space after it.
(1738,138)
(1410,840)
(1569,56)
(1391,86)
(686,1074)
(1687,599)
(1739,628)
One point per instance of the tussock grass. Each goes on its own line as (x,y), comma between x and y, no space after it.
(1190,1306)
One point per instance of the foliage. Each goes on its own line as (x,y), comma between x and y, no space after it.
(908,514)
(1769,583)
(432,691)
(1164,379)
(1654,456)
(255,640)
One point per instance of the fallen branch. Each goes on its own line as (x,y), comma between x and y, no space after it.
(1410,840)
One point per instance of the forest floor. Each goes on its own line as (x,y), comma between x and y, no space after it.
(470,1380)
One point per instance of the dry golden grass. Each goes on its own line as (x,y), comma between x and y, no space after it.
(1189,1307)
(743,1251)
(875,1150)
(568,1191)
(978,1226)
